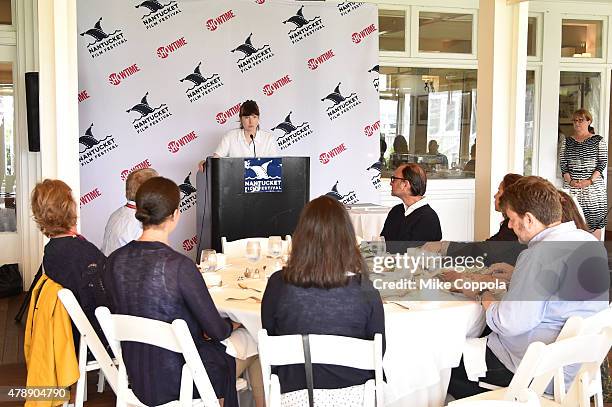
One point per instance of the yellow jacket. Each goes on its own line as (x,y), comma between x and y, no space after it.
(48,344)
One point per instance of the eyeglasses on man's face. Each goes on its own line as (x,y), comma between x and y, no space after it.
(393,178)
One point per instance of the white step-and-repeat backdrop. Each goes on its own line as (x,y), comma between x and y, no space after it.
(161,81)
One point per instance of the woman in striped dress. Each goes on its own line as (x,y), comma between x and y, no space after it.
(583,159)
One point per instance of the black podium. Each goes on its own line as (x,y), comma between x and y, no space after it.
(230,201)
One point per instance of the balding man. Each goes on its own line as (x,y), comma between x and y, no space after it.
(122,226)
(413,222)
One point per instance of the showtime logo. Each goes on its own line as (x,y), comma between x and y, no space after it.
(369,130)
(166,50)
(83,96)
(325,158)
(260,1)
(90,196)
(190,244)
(313,63)
(269,89)
(117,78)
(213,24)
(357,37)
(222,117)
(141,165)
(175,145)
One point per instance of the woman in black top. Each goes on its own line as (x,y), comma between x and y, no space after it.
(147,278)
(323,290)
(69,259)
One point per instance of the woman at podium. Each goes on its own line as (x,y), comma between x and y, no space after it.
(249,140)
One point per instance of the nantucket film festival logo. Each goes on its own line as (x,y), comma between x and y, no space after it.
(303,28)
(346,7)
(291,133)
(157,12)
(263,175)
(102,42)
(201,86)
(375,70)
(149,116)
(374,170)
(342,104)
(252,56)
(90,148)
(348,198)
(189,194)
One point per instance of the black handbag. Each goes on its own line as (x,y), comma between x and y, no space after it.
(10,280)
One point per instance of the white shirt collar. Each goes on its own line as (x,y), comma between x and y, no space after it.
(563,228)
(409,209)
(242,137)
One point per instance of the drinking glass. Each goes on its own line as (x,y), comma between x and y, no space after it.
(275,246)
(253,250)
(208,260)
(378,245)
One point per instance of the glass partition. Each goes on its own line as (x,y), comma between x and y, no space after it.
(445,32)
(581,38)
(392,27)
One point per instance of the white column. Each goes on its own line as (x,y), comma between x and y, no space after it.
(502,60)
(58,91)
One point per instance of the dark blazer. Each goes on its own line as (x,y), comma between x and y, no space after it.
(401,232)
(502,247)
(150,280)
(355,310)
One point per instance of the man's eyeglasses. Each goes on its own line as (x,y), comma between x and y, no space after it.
(393,178)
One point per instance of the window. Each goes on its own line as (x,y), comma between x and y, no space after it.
(428,117)
(7,151)
(532,36)
(530,94)
(445,32)
(581,38)
(578,90)
(392,27)
(6,17)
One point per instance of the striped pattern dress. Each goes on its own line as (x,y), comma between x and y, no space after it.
(580,160)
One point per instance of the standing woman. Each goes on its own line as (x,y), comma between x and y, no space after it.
(583,159)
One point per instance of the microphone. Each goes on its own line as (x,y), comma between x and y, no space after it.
(254,151)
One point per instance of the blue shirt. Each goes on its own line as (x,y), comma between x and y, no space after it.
(546,289)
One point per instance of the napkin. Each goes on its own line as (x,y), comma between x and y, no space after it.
(240,344)
(474,358)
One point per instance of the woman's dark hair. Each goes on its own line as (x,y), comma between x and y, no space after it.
(323,248)
(510,179)
(156,200)
(249,107)
(570,212)
(400,145)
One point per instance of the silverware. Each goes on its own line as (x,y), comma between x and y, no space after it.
(252,297)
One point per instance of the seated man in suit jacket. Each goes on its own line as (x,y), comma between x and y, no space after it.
(413,222)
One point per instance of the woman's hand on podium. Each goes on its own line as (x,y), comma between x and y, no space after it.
(202,164)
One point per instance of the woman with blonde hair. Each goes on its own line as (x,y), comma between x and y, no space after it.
(583,160)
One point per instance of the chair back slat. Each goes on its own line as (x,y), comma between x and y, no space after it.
(342,351)
(89,335)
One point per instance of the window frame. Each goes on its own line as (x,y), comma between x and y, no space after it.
(604,38)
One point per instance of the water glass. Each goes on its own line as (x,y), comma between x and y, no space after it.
(208,260)
(275,246)
(253,250)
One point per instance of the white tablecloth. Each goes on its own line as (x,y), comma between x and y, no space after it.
(423,343)
(368,223)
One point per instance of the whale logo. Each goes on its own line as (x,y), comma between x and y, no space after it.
(286,125)
(186,187)
(335,96)
(261,171)
(97,33)
(298,19)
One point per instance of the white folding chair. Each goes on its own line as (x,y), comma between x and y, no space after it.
(89,340)
(174,337)
(324,349)
(541,362)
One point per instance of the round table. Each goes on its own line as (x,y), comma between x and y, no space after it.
(423,343)
(368,223)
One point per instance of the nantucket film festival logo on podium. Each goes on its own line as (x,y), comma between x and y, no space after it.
(303,28)
(149,116)
(201,86)
(189,194)
(292,134)
(102,42)
(94,148)
(252,56)
(263,175)
(342,104)
(157,12)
